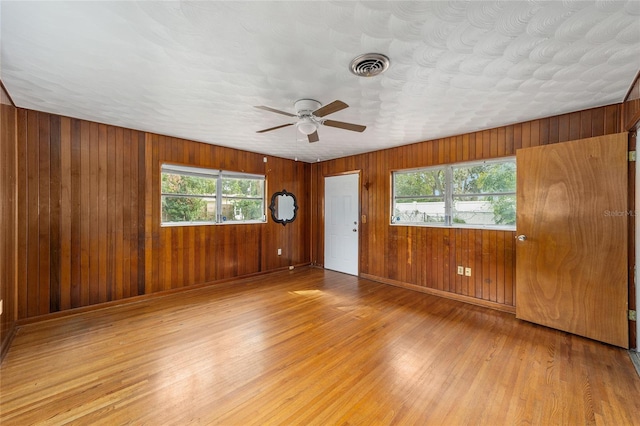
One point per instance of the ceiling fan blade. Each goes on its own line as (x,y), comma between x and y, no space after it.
(313,137)
(346,126)
(274,128)
(277,111)
(334,106)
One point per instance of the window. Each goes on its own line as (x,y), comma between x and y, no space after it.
(193,195)
(419,196)
(480,194)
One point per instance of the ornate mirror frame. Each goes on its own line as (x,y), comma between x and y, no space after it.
(274,207)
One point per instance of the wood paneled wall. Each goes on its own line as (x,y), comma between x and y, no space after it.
(89,216)
(426,257)
(8,213)
(631,107)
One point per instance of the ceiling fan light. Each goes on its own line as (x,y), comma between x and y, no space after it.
(307,126)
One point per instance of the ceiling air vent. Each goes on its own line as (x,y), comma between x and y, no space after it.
(369,65)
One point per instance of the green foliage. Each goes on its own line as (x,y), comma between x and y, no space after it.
(186,185)
(504,210)
(485,178)
(466,179)
(419,183)
(243,199)
(187,209)
(238,209)
(242,187)
(500,177)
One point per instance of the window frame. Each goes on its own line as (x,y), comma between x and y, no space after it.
(218,175)
(449,197)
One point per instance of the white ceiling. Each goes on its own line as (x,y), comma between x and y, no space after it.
(196,69)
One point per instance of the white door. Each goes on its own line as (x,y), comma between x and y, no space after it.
(341,211)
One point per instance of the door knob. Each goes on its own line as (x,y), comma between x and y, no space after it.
(521,237)
(355,230)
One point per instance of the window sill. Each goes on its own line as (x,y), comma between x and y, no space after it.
(228,222)
(458,226)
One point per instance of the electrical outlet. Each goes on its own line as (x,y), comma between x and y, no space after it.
(460,270)
(467,272)
(279,252)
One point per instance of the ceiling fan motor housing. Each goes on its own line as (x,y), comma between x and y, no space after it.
(307,123)
(305,107)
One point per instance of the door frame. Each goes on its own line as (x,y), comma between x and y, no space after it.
(636,256)
(322,211)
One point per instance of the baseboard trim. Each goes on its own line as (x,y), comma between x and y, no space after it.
(6,342)
(635,359)
(144,297)
(444,294)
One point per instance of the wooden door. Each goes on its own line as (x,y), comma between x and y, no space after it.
(571,270)
(341,223)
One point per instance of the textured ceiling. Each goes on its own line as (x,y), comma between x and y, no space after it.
(196,69)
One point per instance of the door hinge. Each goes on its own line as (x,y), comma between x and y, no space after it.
(632,156)
(633,316)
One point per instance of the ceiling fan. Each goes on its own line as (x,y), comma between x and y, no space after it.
(310,115)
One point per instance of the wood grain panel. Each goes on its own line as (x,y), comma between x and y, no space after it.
(9,225)
(490,254)
(93,199)
(85,213)
(32,297)
(65,257)
(23,220)
(630,117)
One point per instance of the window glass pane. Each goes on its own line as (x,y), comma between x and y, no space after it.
(188,209)
(481,194)
(485,210)
(187,185)
(236,187)
(485,178)
(238,209)
(419,182)
(190,195)
(419,210)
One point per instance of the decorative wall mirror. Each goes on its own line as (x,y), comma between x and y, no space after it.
(283,207)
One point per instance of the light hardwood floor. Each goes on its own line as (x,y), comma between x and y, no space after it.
(310,347)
